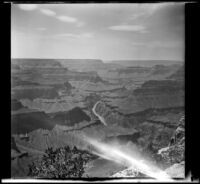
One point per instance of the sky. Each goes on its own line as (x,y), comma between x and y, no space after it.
(110,31)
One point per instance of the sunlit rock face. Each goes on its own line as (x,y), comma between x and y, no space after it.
(130,172)
(176,170)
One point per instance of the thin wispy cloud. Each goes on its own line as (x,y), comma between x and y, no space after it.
(28,7)
(48,12)
(77,36)
(135,28)
(66,19)
(51,13)
(145,10)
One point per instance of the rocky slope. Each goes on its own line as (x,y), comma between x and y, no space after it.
(171,158)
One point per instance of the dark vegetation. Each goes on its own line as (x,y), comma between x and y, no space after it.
(64,162)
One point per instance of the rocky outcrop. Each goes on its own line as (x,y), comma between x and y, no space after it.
(173,156)
(175,151)
(176,170)
(130,172)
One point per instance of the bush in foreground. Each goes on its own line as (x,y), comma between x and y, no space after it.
(60,163)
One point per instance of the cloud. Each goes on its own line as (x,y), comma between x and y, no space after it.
(144,10)
(48,12)
(136,28)
(28,7)
(66,19)
(77,36)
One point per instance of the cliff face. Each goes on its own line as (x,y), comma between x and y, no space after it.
(30,121)
(153,94)
(157,94)
(175,151)
(38,70)
(110,114)
(170,158)
(154,126)
(46,79)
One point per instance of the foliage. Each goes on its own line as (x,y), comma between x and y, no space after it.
(62,162)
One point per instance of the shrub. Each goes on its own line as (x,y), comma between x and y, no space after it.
(62,162)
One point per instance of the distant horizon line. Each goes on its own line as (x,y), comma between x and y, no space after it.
(105,59)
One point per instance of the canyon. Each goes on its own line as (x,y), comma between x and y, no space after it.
(56,102)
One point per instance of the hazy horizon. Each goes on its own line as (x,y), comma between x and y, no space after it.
(112,31)
(101,59)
